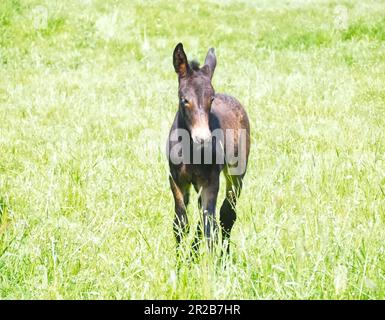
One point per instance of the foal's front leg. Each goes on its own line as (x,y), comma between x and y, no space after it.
(209,200)
(181,196)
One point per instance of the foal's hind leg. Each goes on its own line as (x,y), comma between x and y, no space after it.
(181,198)
(227,212)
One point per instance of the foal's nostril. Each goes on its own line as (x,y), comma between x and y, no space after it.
(207,139)
(200,140)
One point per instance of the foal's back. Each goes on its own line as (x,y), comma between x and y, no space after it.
(229,114)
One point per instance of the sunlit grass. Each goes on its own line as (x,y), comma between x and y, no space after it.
(86,102)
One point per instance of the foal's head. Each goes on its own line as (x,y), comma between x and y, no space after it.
(195,93)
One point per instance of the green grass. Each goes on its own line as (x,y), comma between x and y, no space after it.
(85,107)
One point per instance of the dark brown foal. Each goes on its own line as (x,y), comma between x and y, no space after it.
(210,135)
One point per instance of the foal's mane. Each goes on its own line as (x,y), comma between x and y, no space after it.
(194,65)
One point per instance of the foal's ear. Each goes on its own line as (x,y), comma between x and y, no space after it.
(180,61)
(211,62)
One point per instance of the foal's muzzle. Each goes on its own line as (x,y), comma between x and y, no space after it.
(201,135)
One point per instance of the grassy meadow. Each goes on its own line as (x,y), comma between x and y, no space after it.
(87,95)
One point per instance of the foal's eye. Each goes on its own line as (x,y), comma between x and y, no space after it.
(184,101)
